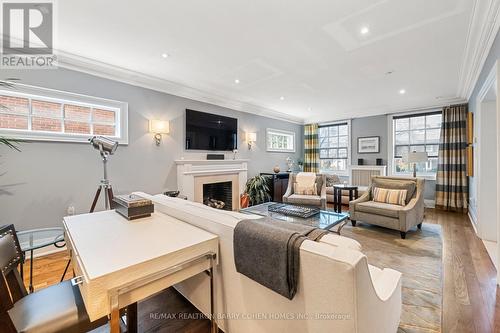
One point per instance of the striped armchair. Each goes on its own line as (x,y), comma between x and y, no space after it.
(391,216)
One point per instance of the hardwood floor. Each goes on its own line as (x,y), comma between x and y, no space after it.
(470,295)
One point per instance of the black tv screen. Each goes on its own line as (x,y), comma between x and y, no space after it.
(206,131)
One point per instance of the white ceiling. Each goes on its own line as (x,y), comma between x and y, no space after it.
(310,52)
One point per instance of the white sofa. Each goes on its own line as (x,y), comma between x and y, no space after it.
(338,290)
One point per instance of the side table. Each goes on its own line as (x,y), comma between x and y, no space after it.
(337,195)
(34,239)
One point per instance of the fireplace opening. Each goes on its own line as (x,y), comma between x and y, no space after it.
(218,195)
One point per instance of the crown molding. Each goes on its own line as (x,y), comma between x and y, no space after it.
(378,111)
(112,72)
(482,30)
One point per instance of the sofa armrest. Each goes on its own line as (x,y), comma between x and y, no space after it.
(386,283)
(289,191)
(365,197)
(340,241)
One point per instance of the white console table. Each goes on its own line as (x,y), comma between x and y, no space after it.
(119,262)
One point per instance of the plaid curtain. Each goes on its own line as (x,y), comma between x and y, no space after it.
(311,148)
(452,185)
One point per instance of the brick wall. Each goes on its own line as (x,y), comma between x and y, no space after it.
(14,104)
(103,116)
(76,127)
(13,121)
(46,124)
(46,109)
(48,117)
(75,112)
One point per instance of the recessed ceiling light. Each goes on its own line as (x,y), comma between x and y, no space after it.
(402,91)
(165,55)
(236,81)
(364,30)
(282,98)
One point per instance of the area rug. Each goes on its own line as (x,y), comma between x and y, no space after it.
(419,258)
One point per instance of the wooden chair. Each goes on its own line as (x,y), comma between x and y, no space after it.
(58,308)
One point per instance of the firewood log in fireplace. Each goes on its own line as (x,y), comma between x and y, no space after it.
(214,203)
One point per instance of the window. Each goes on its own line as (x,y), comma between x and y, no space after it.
(334,147)
(280,141)
(42,114)
(419,132)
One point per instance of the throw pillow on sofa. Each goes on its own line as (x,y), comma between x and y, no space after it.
(392,184)
(305,189)
(394,197)
(332,180)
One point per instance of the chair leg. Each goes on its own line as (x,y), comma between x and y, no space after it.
(403,235)
(353,222)
(65,270)
(419,225)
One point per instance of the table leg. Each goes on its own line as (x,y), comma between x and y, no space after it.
(334,199)
(338,201)
(351,193)
(21,268)
(114,321)
(65,270)
(356,194)
(132,318)
(31,272)
(213,323)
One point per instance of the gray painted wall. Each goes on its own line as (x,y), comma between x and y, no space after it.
(493,56)
(46,177)
(377,126)
(369,126)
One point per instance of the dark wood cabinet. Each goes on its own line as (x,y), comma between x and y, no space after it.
(278,183)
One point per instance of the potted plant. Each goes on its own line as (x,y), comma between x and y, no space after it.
(257,189)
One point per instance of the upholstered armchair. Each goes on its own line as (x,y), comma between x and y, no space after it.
(318,199)
(392,216)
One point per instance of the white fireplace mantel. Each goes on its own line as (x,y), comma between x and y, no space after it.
(191,172)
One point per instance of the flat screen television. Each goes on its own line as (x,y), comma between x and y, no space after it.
(206,131)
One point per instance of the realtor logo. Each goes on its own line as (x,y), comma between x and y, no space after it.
(27,35)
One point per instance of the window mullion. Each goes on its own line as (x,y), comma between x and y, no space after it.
(63,116)
(30,113)
(92,122)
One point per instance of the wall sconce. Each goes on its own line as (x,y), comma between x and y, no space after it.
(251,139)
(159,127)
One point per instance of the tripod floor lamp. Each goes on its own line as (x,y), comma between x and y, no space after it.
(106,148)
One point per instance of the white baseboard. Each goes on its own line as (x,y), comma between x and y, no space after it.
(429,203)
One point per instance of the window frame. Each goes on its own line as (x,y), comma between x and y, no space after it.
(392,141)
(280,132)
(63,97)
(345,172)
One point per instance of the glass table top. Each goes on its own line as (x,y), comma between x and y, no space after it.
(325,219)
(38,238)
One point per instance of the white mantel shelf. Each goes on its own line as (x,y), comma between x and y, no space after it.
(214,172)
(178,162)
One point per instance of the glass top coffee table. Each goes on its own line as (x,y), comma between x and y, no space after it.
(325,219)
(31,240)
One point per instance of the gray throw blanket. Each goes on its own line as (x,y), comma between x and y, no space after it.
(267,251)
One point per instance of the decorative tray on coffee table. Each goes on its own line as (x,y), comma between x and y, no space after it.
(293,210)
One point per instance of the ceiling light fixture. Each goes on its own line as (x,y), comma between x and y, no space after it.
(402,91)
(309,109)
(364,30)
(165,55)
(282,98)
(236,81)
